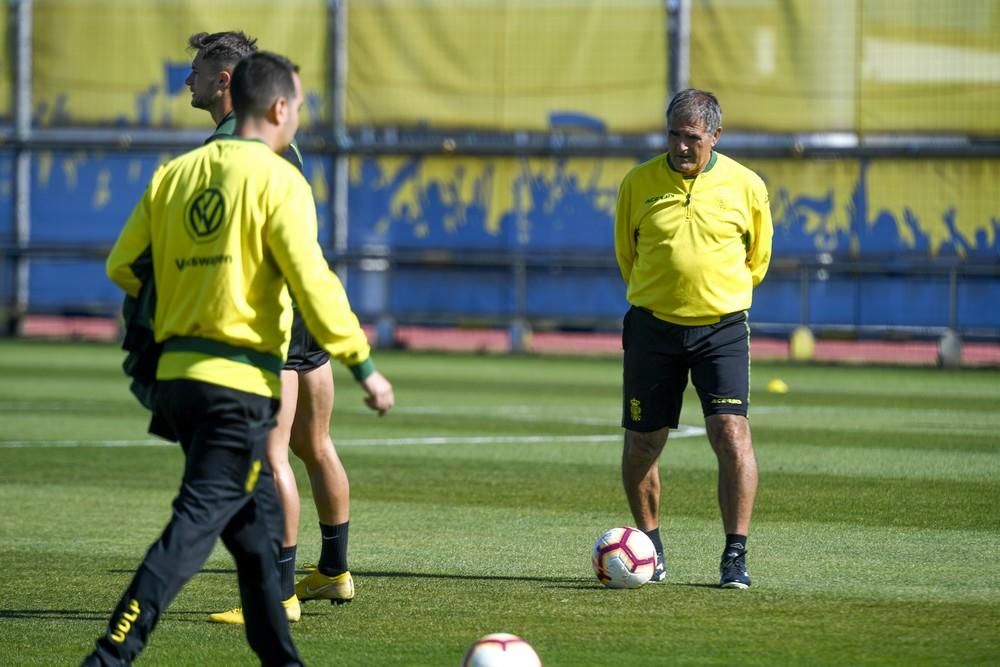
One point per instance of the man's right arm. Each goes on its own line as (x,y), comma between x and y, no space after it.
(759,252)
(132,242)
(320,295)
(624,234)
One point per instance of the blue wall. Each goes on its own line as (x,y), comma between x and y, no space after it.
(82,199)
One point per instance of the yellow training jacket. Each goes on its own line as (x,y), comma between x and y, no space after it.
(231,224)
(692,249)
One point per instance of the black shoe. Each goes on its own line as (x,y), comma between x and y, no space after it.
(660,573)
(733,570)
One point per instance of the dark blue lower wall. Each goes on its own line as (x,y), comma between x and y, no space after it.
(80,200)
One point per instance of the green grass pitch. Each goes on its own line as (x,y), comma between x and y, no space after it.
(476,502)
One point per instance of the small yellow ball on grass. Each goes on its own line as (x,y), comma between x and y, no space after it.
(777,386)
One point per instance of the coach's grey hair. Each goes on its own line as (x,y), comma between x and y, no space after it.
(694,104)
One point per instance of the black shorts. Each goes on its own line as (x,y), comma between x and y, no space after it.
(660,355)
(304,353)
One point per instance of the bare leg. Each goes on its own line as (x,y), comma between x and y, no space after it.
(277,456)
(641,475)
(311,442)
(733,446)
(287,496)
(330,490)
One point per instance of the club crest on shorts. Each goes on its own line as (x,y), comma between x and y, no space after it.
(635,410)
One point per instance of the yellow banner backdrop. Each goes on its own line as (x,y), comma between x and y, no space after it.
(930,66)
(776,65)
(851,65)
(123,62)
(520,64)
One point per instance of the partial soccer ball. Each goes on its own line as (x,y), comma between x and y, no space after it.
(501,650)
(624,558)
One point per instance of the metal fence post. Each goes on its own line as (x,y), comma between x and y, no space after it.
(518,328)
(22,164)
(804,296)
(338,127)
(678,46)
(953,299)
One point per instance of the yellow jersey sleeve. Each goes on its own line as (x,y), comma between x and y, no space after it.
(318,292)
(133,240)
(624,231)
(759,250)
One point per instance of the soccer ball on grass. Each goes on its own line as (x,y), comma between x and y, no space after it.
(501,650)
(624,557)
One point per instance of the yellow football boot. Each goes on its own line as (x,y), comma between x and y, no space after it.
(318,586)
(235,616)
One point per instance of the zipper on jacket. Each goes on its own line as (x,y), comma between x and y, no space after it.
(687,202)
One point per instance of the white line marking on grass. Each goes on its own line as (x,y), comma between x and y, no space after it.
(521,413)
(682,432)
(18,444)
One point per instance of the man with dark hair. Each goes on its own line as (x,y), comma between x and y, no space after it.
(213,217)
(307,382)
(692,238)
(216,55)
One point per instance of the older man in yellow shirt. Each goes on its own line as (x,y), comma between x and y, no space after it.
(692,238)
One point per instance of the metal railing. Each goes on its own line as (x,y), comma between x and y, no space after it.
(806,273)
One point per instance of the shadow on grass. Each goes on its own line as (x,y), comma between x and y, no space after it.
(415,575)
(468,577)
(56,614)
(569,583)
(564,583)
(583,584)
(199,616)
(101,617)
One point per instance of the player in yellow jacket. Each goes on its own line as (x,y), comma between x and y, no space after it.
(232,227)
(692,238)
